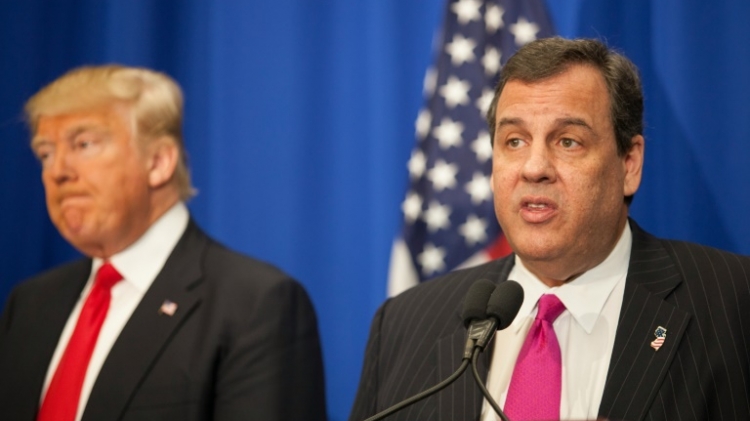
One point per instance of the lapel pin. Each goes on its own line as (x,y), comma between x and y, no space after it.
(168,307)
(661,335)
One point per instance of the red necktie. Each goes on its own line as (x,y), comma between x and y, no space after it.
(64,391)
(534,391)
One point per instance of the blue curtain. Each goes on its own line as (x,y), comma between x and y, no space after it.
(299,123)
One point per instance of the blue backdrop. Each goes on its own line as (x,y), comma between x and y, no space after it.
(299,123)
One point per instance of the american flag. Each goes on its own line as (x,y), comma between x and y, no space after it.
(449,219)
(168,307)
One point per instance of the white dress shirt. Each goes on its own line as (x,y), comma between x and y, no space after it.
(139,264)
(585,330)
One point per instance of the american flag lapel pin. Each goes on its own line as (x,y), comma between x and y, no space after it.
(168,307)
(661,335)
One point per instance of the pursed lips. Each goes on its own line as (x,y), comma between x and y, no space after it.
(71,198)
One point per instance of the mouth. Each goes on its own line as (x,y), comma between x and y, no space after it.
(537,210)
(71,199)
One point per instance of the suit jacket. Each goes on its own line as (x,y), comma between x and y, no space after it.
(242,345)
(702,371)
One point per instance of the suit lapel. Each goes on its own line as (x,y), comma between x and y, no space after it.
(463,399)
(636,370)
(35,350)
(147,332)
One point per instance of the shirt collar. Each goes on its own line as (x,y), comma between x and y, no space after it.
(585,296)
(140,262)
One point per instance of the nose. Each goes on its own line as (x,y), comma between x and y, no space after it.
(538,167)
(59,168)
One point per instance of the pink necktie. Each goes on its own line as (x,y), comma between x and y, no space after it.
(534,391)
(61,401)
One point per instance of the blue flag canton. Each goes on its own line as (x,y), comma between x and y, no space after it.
(660,332)
(448,210)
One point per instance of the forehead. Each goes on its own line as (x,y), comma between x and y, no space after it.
(110,118)
(580,92)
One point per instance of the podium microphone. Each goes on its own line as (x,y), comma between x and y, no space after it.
(502,308)
(480,331)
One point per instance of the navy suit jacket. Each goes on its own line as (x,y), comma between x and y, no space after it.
(242,345)
(702,371)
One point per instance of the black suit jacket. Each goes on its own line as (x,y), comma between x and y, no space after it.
(702,372)
(242,345)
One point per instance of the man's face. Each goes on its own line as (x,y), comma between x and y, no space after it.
(558,182)
(95,178)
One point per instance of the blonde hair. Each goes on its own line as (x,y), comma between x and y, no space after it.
(154,99)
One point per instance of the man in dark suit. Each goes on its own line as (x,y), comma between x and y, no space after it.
(650,329)
(159,322)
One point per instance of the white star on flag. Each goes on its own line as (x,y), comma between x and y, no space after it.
(491,61)
(493,18)
(479,188)
(484,101)
(474,230)
(448,133)
(443,175)
(411,207)
(524,31)
(461,50)
(482,147)
(437,216)
(455,91)
(422,125)
(432,259)
(417,164)
(466,10)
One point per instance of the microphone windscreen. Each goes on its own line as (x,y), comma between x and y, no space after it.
(505,302)
(475,302)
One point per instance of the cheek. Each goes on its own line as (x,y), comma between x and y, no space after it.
(50,196)
(600,192)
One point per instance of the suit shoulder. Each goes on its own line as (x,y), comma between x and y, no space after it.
(61,275)
(458,279)
(699,257)
(230,271)
(716,275)
(444,294)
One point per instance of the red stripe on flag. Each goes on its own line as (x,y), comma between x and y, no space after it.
(499,248)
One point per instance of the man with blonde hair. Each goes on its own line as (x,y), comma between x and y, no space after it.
(158,321)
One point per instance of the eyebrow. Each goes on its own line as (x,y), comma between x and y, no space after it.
(36,140)
(571,121)
(560,122)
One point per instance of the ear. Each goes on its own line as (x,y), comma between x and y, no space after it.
(633,165)
(162,161)
(492,182)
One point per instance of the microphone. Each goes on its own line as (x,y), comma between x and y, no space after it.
(475,315)
(474,311)
(502,308)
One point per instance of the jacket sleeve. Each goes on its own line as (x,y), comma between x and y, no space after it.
(272,369)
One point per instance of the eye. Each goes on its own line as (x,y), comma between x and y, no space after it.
(82,143)
(514,143)
(43,154)
(568,143)
(86,143)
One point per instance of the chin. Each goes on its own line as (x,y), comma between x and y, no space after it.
(537,249)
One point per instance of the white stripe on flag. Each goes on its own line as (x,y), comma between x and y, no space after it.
(479,258)
(402,274)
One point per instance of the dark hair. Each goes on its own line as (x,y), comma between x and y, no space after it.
(547,57)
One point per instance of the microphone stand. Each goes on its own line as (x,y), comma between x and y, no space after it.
(485,392)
